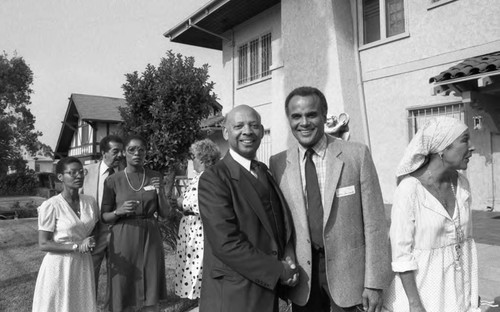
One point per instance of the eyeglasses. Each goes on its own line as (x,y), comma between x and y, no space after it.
(75,173)
(135,149)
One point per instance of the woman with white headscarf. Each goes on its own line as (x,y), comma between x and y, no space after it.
(433,253)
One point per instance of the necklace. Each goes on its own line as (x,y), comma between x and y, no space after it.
(458,233)
(130,184)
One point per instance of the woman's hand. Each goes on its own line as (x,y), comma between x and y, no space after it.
(128,207)
(87,245)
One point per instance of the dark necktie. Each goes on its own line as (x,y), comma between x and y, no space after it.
(110,171)
(314,204)
(257,169)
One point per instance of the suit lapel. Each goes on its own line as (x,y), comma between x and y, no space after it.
(284,208)
(248,191)
(293,182)
(334,168)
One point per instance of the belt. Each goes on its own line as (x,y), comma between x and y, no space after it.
(132,217)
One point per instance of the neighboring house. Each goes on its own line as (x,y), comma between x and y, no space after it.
(88,119)
(39,163)
(373,59)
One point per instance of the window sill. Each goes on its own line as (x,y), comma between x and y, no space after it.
(259,80)
(384,41)
(438,4)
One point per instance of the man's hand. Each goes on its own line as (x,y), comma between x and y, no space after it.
(372,300)
(290,274)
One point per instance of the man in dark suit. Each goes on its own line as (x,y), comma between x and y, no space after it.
(248,251)
(111,148)
(334,197)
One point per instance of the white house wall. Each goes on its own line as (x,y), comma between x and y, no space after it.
(265,95)
(396,78)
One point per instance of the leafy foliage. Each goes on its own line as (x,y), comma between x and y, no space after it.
(17,123)
(165,104)
(19,183)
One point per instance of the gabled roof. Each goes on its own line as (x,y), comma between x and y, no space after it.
(204,28)
(90,108)
(97,108)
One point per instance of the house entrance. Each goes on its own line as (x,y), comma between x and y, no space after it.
(495,166)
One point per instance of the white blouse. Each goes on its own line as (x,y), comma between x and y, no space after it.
(424,240)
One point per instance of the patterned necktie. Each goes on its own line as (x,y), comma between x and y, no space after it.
(314,204)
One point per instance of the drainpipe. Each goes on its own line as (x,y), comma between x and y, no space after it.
(233,75)
(361,90)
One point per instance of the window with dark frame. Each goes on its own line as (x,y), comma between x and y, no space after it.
(374,21)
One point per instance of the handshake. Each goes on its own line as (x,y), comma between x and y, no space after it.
(290,274)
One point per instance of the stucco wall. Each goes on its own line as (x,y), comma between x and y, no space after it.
(319,51)
(396,77)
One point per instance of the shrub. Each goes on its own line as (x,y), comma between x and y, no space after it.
(19,183)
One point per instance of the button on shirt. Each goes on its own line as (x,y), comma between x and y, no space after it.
(319,159)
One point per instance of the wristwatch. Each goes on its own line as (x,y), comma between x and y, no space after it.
(75,247)
(114,212)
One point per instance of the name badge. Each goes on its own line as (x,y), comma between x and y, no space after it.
(345,191)
(149,188)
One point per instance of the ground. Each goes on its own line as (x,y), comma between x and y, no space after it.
(20,260)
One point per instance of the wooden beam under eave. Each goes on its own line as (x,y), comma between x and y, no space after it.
(68,125)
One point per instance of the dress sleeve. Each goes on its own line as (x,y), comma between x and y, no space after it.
(46,217)
(402,232)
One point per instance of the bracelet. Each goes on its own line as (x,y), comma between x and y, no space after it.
(75,247)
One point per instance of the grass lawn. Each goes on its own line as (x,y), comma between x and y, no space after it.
(20,260)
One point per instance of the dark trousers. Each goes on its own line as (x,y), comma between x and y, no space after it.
(100,252)
(320,299)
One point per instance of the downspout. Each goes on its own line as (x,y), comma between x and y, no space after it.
(361,90)
(233,75)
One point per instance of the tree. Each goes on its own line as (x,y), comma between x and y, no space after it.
(17,123)
(165,105)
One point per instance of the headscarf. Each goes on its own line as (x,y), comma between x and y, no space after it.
(436,135)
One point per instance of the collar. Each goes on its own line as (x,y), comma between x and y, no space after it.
(319,148)
(103,168)
(244,162)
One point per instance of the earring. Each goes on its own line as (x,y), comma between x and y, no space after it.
(440,155)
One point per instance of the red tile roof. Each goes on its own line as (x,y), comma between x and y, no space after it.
(469,67)
(93,107)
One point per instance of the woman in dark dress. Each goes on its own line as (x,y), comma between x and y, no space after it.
(137,267)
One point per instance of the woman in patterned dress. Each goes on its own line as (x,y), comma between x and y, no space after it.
(65,280)
(190,243)
(433,252)
(136,260)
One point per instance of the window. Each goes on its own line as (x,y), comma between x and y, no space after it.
(418,117)
(254,59)
(264,151)
(381,19)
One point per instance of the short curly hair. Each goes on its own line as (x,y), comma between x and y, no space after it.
(206,151)
(63,163)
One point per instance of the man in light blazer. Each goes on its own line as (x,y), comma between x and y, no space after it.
(344,260)
(246,223)
(111,148)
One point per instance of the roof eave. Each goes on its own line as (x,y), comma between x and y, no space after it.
(452,85)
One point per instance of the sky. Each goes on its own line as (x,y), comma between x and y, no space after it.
(87,46)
